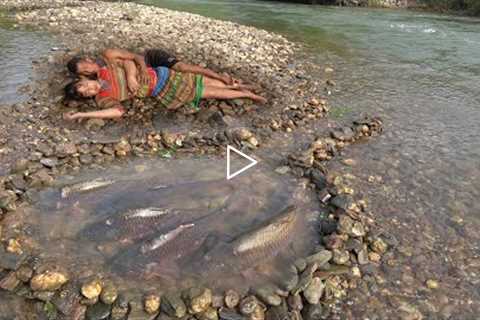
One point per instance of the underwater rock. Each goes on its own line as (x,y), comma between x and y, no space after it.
(305,278)
(109,293)
(98,311)
(119,308)
(314,291)
(320,258)
(173,305)
(92,289)
(198,299)
(209,314)
(232,299)
(278,313)
(10,260)
(230,314)
(151,303)
(248,305)
(48,281)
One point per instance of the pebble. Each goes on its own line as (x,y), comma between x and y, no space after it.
(341,256)
(232,298)
(374,257)
(109,293)
(432,284)
(314,291)
(48,281)
(98,311)
(320,258)
(379,246)
(198,299)
(92,289)
(173,305)
(267,294)
(248,305)
(152,303)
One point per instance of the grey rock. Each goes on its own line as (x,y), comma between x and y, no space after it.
(98,311)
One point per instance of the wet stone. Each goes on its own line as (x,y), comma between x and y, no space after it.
(232,298)
(295,302)
(379,246)
(320,258)
(362,256)
(98,311)
(67,299)
(278,313)
(24,273)
(173,305)
(10,260)
(248,304)
(268,295)
(137,312)
(313,312)
(342,201)
(48,281)
(91,289)
(198,300)
(152,303)
(119,309)
(343,134)
(9,282)
(209,314)
(313,293)
(300,264)
(49,162)
(109,293)
(305,278)
(65,149)
(341,256)
(7,202)
(358,230)
(230,314)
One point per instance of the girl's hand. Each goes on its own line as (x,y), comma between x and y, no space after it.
(133,84)
(71,115)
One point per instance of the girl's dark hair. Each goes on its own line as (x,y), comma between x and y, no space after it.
(71,92)
(72,64)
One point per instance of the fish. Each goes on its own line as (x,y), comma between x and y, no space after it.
(85,186)
(253,247)
(161,252)
(139,223)
(187,196)
(163,239)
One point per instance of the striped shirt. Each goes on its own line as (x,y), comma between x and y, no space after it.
(114,86)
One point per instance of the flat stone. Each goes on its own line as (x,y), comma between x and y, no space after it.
(9,260)
(98,311)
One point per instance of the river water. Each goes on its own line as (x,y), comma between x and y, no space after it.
(18,48)
(420,72)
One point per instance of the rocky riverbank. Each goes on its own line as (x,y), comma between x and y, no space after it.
(38,147)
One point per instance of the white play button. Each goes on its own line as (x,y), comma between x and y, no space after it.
(236,173)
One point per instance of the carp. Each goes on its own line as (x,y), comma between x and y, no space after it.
(85,186)
(253,247)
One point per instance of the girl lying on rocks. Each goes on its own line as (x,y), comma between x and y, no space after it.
(171,88)
(89,67)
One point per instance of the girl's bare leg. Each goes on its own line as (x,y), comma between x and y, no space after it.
(227,94)
(209,82)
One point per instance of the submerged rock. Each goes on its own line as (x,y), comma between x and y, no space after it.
(152,303)
(109,293)
(198,300)
(98,311)
(48,281)
(92,289)
(173,305)
(314,291)
(232,299)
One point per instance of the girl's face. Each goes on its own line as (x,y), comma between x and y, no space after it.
(88,88)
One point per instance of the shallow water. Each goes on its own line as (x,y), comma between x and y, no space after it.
(420,72)
(18,48)
(100,230)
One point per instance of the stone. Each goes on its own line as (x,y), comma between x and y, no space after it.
(94,124)
(63,150)
(86,158)
(49,162)
(313,312)
(11,260)
(289,279)
(320,258)
(152,303)
(248,305)
(24,273)
(295,302)
(282,170)
(314,291)
(119,308)
(173,305)
(198,299)
(230,314)
(268,294)
(9,282)
(7,200)
(109,293)
(232,298)
(91,289)
(358,230)
(432,284)
(98,311)
(379,246)
(341,257)
(67,300)
(209,314)
(41,178)
(374,257)
(48,281)
(362,257)
(137,312)
(345,224)
(305,278)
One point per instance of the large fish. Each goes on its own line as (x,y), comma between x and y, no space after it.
(203,195)
(159,254)
(254,247)
(85,186)
(140,223)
